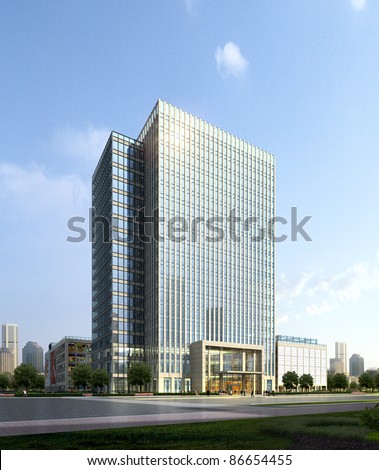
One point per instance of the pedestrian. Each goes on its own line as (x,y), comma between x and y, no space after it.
(252,394)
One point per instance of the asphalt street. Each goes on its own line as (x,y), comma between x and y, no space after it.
(31,415)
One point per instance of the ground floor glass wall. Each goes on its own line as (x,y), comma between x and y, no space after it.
(233,371)
(235,383)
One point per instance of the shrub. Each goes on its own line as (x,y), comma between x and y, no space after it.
(370,417)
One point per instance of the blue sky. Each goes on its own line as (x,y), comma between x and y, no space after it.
(299,79)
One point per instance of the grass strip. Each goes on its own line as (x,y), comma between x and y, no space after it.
(291,432)
(313,403)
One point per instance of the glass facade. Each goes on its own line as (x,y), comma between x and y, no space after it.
(205,269)
(118,259)
(211,274)
(227,368)
(233,370)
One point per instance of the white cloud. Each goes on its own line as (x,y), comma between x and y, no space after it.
(230,61)
(328,294)
(85,144)
(284,318)
(349,285)
(358,4)
(32,190)
(287,290)
(319,309)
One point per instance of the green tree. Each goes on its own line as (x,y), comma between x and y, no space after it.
(39,382)
(81,375)
(340,381)
(5,380)
(377,380)
(290,380)
(99,378)
(353,385)
(366,380)
(25,376)
(330,381)
(139,374)
(306,381)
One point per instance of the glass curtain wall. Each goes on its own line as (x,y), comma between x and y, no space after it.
(118,259)
(214,277)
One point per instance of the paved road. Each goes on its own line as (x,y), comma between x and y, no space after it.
(54,414)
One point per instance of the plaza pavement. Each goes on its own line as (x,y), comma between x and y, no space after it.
(20,416)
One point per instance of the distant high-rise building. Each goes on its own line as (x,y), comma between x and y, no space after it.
(336,366)
(341,353)
(6,360)
(10,341)
(356,365)
(32,353)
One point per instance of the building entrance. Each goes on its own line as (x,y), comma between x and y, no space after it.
(233,388)
(236,383)
(220,367)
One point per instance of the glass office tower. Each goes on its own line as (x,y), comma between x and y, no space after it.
(208,262)
(205,279)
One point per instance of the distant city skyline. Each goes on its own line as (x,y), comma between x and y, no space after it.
(331,348)
(67,82)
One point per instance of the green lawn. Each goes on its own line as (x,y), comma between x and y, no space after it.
(315,403)
(294,432)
